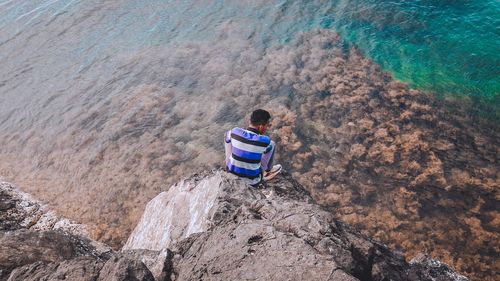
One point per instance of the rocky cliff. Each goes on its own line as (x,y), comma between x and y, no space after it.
(211,226)
(36,244)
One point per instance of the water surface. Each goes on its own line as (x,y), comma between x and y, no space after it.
(105,103)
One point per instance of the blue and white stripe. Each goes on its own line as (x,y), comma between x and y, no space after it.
(247,148)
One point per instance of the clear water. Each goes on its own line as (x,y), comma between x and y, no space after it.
(443,46)
(103,103)
(448,47)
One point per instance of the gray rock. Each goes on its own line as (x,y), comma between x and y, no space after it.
(339,275)
(35,244)
(78,269)
(424,267)
(123,268)
(23,247)
(188,199)
(19,210)
(120,267)
(211,226)
(276,233)
(158,262)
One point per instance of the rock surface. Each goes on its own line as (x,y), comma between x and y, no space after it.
(19,210)
(211,226)
(183,200)
(23,247)
(36,244)
(276,233)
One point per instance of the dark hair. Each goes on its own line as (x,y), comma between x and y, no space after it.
(260,117)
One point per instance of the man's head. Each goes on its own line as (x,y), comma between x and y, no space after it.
(260,120)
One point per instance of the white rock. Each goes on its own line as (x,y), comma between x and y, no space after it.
(166,218)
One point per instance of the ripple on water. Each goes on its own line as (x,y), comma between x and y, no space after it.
(105,103)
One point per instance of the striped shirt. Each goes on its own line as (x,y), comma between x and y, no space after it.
(247,148)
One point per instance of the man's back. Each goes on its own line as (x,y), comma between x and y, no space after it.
(248,153)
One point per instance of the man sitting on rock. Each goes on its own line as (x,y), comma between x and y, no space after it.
(250,153)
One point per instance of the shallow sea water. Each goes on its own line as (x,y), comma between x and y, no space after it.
(105,103)
(445,46)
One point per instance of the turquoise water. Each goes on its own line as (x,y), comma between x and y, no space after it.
(448,47)
(443,46)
